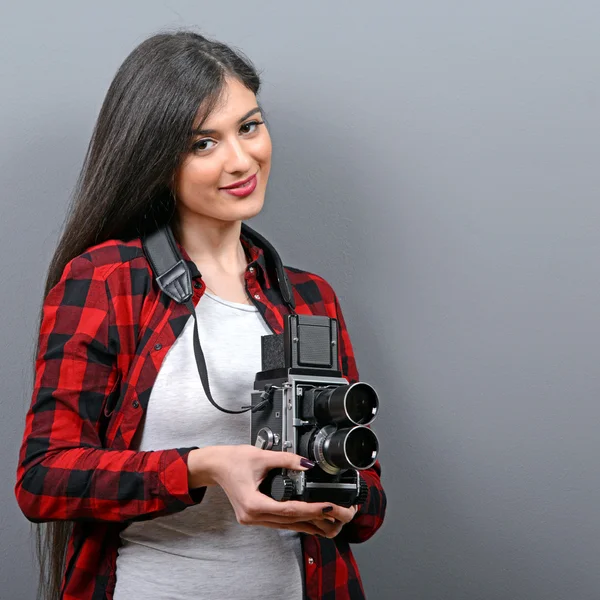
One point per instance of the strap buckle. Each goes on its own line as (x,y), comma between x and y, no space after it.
(176,282)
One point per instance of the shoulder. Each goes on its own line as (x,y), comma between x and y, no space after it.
(114,267)
(113,256)
(299,277)
(111,281)
(109,256)
(312,289)
(314,295)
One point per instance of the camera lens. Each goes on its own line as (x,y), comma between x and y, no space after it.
(361,447)
(361,403)
(356,403)
(355,448)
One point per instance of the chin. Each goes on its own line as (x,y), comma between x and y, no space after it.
(251,205)
(250,212)
(245,209)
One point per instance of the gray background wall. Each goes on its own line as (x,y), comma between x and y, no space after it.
(437,162)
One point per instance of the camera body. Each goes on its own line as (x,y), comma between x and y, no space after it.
(302,404)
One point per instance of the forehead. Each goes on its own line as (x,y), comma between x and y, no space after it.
(235,100)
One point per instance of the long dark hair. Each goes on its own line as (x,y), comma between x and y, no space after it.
(142,133)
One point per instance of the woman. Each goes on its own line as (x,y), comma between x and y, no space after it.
(148,488)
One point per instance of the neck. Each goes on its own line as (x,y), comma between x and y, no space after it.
(213,244)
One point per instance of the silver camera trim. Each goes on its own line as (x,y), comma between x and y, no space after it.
(290,393)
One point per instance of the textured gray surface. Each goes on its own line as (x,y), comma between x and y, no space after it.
(437,163)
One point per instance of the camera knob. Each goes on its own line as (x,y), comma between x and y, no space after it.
(363,491)
(265,439)
(282,488)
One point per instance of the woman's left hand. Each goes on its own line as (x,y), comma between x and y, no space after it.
(333,522)
(328,526)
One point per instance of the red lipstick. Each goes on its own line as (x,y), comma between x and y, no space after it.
(243,188)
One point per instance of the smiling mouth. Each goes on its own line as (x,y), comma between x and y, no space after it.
(243,188)
(240,184)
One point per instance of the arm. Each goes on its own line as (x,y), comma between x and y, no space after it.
(64,473)
(370,515)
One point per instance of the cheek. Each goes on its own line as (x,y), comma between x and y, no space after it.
(263,150)
(198,172)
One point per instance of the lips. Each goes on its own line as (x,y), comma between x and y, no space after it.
(241,189)
(238,184)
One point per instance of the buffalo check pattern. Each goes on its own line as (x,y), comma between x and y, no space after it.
(105,331)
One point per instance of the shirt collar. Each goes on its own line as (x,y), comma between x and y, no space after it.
(254,253)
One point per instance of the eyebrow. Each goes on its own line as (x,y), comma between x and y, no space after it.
(240,120)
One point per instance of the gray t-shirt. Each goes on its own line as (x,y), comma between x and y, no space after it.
(202,552)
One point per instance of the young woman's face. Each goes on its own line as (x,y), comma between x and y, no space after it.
(233,147)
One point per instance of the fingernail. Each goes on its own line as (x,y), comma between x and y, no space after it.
(327,509)
(330,519)
(309,464)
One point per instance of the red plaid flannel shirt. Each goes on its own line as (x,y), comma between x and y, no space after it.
(105,331)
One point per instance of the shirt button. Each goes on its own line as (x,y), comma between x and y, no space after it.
(197,285)
(157,346)
(311,561)
(251,269)
(135,404)
(257,296)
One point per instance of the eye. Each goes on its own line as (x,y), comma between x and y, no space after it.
(250,127)
(203,145)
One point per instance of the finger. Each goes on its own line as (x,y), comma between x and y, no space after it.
(320,519)
(258,506)
(285,520)
(320,528)
(301,527)
(340,513)
(329,529)
(287,460)
(296,509)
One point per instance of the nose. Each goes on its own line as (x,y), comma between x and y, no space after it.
(238,159)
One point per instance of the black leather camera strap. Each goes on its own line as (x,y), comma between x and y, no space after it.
(201,364)
(174,279)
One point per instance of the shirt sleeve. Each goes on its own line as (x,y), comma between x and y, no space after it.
(64,472)
(371,513)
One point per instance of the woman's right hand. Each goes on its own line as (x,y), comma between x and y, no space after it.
(239,470)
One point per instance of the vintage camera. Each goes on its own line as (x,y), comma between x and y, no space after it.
(302,404)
